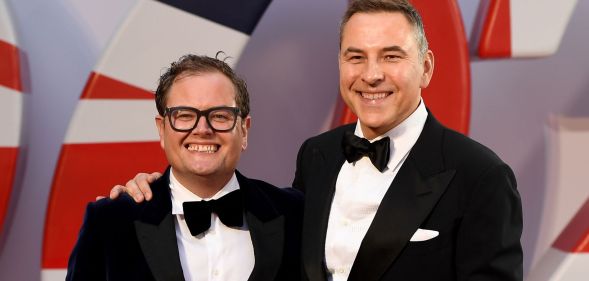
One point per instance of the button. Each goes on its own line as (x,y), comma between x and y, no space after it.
(215,272)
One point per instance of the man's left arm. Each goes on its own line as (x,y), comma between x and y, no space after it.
(488,242)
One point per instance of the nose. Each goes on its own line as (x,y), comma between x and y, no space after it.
(202,127)
(373,73)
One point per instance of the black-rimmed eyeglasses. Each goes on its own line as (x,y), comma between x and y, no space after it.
(185,118)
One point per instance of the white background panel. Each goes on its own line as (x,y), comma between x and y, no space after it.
(557,265)
(11,103)
(53,274)
(566,177)
(537,26)
(100,121)
(160,32)
(6,29)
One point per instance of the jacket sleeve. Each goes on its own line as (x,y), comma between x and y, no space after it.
(488,242)
(298,181)
(87,259)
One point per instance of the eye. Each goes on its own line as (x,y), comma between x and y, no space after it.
(355,59)
(184,115)
(221,116)
(391,57)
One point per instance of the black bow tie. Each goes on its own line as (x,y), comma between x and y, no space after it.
(229,208)
(355,148)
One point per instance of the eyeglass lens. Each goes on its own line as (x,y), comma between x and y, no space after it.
(219,119)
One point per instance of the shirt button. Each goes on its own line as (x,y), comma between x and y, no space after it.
(215,272)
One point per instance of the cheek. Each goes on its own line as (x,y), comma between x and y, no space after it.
(348,75)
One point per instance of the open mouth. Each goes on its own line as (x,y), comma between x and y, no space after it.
(374,96)
(204,148)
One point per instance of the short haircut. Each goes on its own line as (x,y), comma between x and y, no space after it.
(391,6)
(195,65)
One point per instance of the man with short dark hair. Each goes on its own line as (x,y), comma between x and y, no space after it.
(397,196)
(206,221)
(438,207)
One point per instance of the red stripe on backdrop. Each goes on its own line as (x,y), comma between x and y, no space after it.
(448,94)
(575,237)
(100,86)
(8,158)
(115,163)
(495,39)
(10,66)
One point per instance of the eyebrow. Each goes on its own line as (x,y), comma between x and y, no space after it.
(352,50)
(395,49)
(385,49)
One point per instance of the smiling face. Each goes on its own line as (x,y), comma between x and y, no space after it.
(381,72)
(202,153)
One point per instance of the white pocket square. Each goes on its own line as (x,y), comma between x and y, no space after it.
(423,235)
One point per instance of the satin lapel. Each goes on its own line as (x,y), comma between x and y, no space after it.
(326,163)
(405,206)
(266,228)
(268,242)
(157,236)
(416,189)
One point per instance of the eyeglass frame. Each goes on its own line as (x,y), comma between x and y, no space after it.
(199,113)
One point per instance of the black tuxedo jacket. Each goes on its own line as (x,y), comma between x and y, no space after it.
(448,183)
(122,240)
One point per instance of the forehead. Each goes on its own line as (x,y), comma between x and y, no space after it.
(377,29)
(201,90)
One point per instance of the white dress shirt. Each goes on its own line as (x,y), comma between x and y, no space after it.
(220,253)
(359,189)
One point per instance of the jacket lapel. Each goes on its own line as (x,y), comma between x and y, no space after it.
(156,233)
(412,195)
(326,163)
(266,228)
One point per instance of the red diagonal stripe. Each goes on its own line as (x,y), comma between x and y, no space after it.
(100,86)
(8,158)
(575,237)
(495,40)
(10,66)
(83,172)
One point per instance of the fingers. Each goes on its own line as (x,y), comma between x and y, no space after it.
(100,197)
(116,191)
(132,188)
(138,187)
(144,184)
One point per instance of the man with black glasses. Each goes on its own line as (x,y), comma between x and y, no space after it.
(206,221)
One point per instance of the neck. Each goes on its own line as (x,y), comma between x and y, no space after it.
(203,186)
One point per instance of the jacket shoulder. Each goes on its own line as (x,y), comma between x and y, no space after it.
(467,150)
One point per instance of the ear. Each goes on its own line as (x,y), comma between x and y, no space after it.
(160,124)
(246,123)
(428,69)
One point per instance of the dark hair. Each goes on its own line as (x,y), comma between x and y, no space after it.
(194,65)
(401,6)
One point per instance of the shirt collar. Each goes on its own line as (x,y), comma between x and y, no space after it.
(180,194)
(403,136)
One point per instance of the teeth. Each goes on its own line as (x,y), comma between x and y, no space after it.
(210,148)
(374,96)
